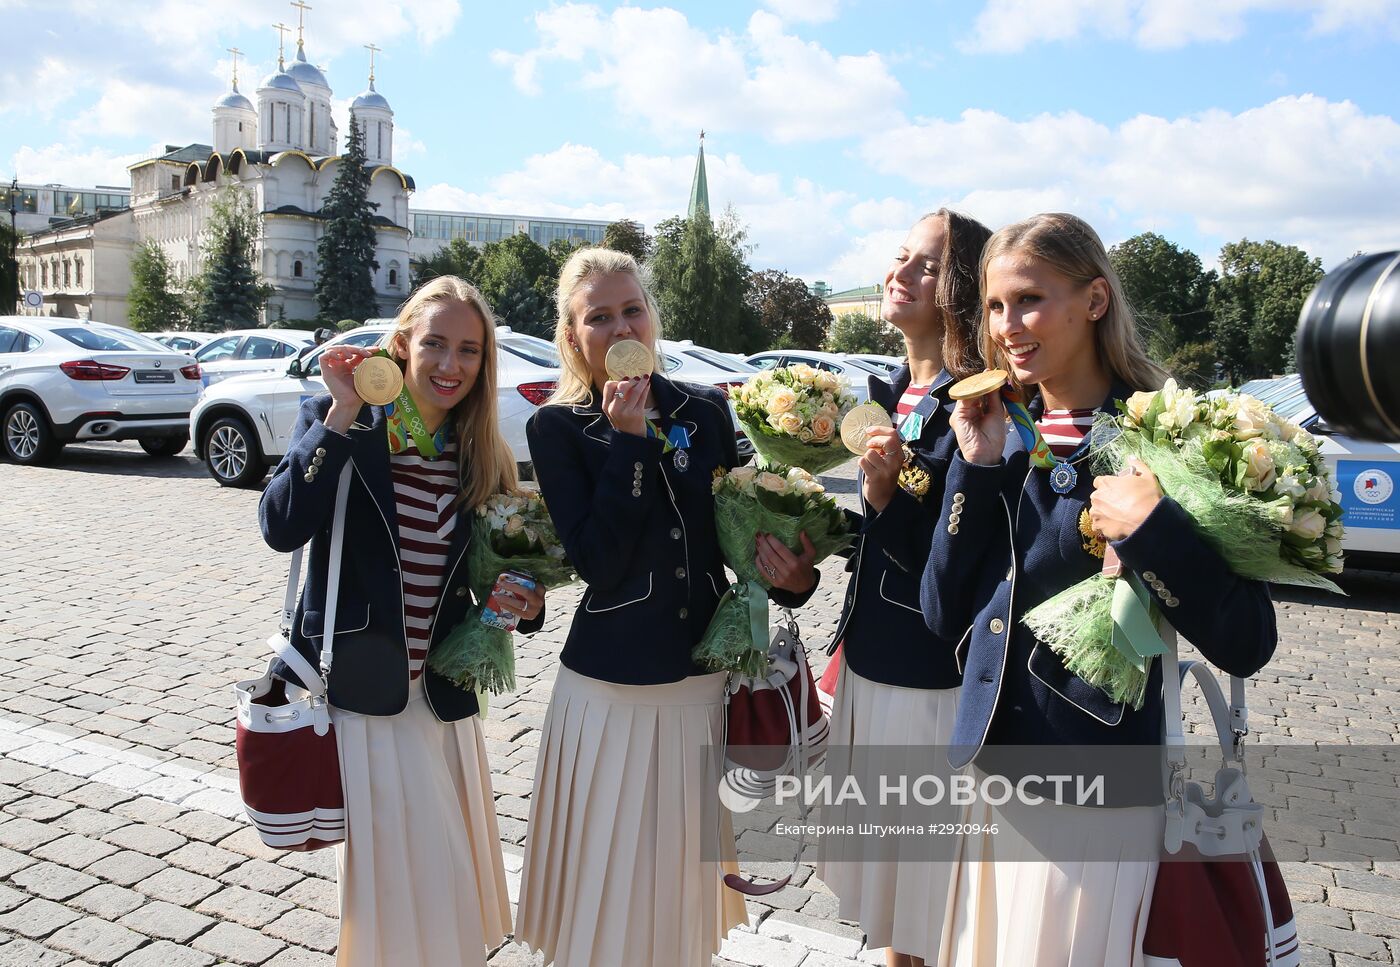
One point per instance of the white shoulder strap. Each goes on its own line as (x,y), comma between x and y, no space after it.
(1174,672)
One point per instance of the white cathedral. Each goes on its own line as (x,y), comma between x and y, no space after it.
(283,154)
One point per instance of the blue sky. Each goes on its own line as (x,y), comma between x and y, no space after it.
(832,124)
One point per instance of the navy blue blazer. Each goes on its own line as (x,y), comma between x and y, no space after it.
(639,526)
(1005,542)
(369,673)
(885,637)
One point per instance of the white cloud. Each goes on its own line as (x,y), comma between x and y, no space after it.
(678,78)
(125,107)
(1006,26)
(1302,170)
(66,165)
(805,11)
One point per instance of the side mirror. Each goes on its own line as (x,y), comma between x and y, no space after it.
(294,368)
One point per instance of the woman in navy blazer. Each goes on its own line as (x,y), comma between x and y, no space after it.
(421,876)
(615,867)
(897,683)
(1062,885)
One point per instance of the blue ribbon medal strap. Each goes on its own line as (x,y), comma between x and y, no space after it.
(676,441)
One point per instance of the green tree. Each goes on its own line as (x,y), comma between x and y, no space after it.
(701,279)
(628,236)
(458,257)
(228,292)
(153,303)
(789,315)
(856,332)
(1170,296)
(9,271)
(517,276)
(1256,302)
(345,253)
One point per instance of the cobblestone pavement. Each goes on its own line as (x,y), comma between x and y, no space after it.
(136,591)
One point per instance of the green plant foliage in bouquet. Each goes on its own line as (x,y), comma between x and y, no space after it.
(792,416)
(785,502)
(510,532)
(1257,491)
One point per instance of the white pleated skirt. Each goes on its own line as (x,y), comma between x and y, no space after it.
(1014,907)
(614,873)
(421,877)
(899,903)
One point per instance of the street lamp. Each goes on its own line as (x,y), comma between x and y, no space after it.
(14,238)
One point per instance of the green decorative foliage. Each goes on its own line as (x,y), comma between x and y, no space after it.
(154,303)
(228,292)
(856,332)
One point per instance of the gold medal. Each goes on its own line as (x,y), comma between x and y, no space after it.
(378,380)
(979,385)
(627,359)
(857,421)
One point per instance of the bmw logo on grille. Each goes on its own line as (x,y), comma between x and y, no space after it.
(157,364)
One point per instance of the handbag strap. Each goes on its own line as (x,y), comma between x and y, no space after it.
(1234,719)
(316,683)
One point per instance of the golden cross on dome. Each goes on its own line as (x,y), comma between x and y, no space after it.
(372,51)
(281,36)
(235,52)
(702,135)
(301,18)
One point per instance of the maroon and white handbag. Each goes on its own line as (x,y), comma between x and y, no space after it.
(288,767)
(1219,899)
(774,726)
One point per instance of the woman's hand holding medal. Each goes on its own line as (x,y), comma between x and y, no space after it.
(625,404)
(979,419)
(881,463)
(338,365)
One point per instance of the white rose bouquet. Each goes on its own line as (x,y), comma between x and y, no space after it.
(793,415)
(510,532)
(1254,485)
(781,501)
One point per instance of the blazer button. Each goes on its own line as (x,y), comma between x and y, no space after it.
(1149,577)
(461,592)
(309,477)
(996,626)
(317,461)
(320,451)
(683,613)
(675,533)
(958,499)
(680,572)
(636,491)
(1172,602)
(637,466)
(1010,572)
(952,528)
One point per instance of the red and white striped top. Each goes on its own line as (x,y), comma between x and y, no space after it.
(426,494)
(910,399)
(1065,430)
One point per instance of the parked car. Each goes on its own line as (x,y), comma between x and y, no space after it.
(856,372)
(683,360)
(242,425)
(65,380)
(686,350)
(250,351)
(184,342)
(1366,475)
(888,363)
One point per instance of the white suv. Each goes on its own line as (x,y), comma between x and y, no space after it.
(242,425)
(65,380)
(250,351)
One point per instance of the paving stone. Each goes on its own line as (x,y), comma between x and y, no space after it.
(167,922)
(163,953)
(229,941)
(53,882)
(109,901)
(25,834)
(74,851)
(301,957)
(151,840)
(26,953)
(126,868)
(306,928)
(36,919)
(244,906)
(262,876)
(178,886)
(96,940)
(314,894)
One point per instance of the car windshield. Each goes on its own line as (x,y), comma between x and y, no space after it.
(536,351)
(720,360)
(104,340)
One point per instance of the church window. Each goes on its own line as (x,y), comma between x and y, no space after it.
(78,271)
(174,182)
(240,127)
(393,277)
(44,274)
(296,268)
(67,273)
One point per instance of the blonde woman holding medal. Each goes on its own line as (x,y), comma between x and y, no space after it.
(421,878)
(615,872)
(1062,884)
(897,683)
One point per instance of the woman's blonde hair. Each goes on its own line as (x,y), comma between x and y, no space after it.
(485,463)
(1069,246)
(575,381)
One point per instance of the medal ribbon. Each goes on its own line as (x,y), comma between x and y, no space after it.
(653,430)
(1035,444)
(403,420)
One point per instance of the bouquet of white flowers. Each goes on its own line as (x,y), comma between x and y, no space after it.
(792,416)
(779,501)
(1256,488)
(510,532)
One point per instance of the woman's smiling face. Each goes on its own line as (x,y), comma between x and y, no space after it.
(442,354)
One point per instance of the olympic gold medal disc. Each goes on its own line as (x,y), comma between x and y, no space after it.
(857,421)
(627,359)
(979,385)
(378,380)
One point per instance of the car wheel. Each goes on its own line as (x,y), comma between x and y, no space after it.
(231,453)
(28,437)
(164,446)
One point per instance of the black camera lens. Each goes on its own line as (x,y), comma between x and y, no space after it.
(1349,347)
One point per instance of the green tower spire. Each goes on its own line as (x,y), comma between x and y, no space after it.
(699,186)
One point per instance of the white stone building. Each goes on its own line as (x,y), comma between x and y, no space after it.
(282,152)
